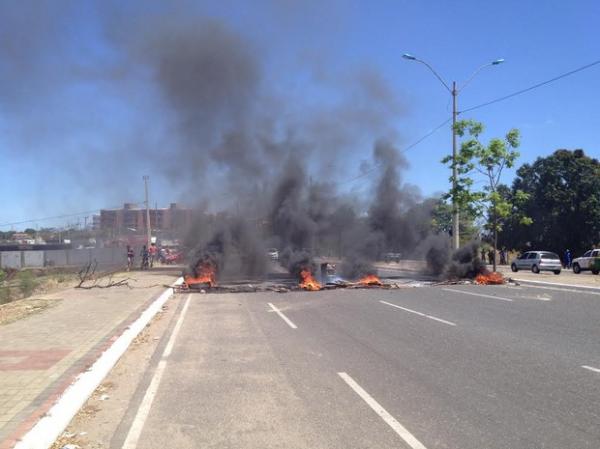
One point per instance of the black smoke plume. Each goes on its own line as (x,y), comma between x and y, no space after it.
(460,264)
(205,114)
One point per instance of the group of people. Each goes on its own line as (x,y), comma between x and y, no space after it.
(490,255)
(148,255)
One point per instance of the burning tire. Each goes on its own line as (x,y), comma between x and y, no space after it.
(535,269)
(514,268)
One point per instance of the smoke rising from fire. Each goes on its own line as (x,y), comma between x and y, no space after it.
(204,113)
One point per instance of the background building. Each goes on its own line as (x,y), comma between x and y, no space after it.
(133,219)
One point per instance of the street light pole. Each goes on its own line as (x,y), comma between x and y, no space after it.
(148,228)
(454,92)
(455,211)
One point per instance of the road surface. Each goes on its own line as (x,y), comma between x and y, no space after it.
(457,367)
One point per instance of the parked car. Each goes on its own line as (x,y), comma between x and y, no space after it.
(589,261)
(273,253)
(537,261)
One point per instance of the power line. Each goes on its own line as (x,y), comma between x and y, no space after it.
(404,150)
(362,175)
(535,86)
(56,217)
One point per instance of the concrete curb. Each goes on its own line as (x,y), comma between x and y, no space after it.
(49,428)
(558,285)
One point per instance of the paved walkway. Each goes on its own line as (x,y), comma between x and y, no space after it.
(566,277)
(40,355)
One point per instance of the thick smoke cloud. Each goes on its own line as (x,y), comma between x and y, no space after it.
(203,112)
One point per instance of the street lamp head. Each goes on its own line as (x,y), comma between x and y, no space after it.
(409,57)
(498,61)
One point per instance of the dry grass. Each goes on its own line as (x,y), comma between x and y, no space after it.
(22,308)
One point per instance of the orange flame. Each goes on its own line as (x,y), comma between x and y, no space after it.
(370,279)
(206,275)
(308,282)
(489,279)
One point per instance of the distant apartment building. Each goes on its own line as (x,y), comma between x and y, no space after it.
(133,218)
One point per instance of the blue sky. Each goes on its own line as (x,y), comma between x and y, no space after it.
(81,120)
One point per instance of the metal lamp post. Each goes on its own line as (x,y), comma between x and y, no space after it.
(454,91)
(148,228)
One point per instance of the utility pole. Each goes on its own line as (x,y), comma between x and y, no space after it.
(455,209)
(148,227)
(454,92)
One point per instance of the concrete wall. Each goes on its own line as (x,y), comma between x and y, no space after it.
(10,259)
(33,258)
(60,257)
(106,256)
(56,258)
(78,257)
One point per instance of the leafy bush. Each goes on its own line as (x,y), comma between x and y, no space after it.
(27,282)
(4,294)
(4,290)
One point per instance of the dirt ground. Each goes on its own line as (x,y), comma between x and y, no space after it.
(42,296)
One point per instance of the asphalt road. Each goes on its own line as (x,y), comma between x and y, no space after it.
(457,367)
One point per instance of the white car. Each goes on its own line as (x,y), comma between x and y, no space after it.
(537,261)
(589,261)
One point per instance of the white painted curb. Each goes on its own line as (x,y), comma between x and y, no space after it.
(49,428)
(556,284)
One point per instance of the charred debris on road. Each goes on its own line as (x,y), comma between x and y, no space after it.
(463,267)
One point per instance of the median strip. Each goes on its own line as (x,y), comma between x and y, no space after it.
(431,317)
(408,437)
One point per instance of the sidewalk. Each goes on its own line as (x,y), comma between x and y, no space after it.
(41,355)
(566,277)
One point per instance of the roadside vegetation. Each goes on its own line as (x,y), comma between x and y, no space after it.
(553,203)
(15,284)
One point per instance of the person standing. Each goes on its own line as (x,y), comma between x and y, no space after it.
(130,255)
(503,256)
(568,258)
(491,256)
(152,254)
(144,255)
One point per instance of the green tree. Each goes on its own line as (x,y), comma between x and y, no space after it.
(441,221)
(476,159)
(30,231)
(564,203)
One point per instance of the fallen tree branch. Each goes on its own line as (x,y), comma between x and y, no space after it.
(89,280)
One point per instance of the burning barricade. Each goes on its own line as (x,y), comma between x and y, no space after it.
(203,274)
(307,280)
(463,266)
(370,280)
(489,278)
